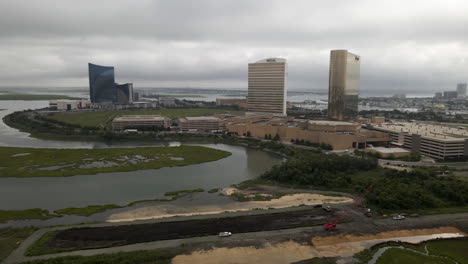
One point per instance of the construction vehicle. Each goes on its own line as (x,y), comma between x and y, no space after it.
(331,225)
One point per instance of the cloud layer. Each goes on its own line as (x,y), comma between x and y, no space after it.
(404,45)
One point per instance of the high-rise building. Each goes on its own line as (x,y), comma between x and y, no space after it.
(102,88)
(267,86)
(450,95)
(438,95)
(124,93)
(461,90)
(343,89)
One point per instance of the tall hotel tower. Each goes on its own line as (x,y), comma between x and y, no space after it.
(343,89)
(267,86)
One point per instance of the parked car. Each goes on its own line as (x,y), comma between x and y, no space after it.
(224,234)
(398,217)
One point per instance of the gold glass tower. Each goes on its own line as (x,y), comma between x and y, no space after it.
(267,86)
(343,89)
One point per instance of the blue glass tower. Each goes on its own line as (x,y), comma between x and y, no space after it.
(102,88)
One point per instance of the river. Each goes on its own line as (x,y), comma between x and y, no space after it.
(119,187)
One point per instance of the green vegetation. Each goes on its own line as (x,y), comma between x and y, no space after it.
(412,157)
(32,162)
(256,197)
(32,97)
(88,210)
(104,118)
(150,256)
(393,190)
(183,192)
(401,256)
(213,190)
(10,239)
(35,213)
(452,248)
(40,247)
(438,249)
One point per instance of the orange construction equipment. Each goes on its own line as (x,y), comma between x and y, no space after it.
(331,225)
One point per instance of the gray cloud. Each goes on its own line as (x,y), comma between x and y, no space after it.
(405,45)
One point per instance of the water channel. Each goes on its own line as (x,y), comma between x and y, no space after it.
(118,187)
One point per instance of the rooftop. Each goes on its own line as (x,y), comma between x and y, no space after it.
(139,118)
(426,130)
(389,150)
(331,123)
(201,118)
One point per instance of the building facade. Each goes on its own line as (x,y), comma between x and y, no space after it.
(102,89)
(339,135)
(69,105)
(432,140)
(200,123)
(140,122)
(461,90)
(267,86)
(124,93)
(344,82)
(450,95)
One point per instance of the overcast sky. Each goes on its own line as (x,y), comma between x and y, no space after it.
(405,45)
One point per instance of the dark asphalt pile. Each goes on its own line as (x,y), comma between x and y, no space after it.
(130,234)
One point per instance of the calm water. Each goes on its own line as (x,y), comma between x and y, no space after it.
(119,187)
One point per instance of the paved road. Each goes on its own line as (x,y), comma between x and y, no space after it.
(360,225)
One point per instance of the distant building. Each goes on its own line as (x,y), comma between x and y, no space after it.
(450,95)
(241,103)
(461,90)
(378,119)
(200,123)
(102,88)
(267,86)
(343,90)
(438,95)
(68,105)
(435,141)
(140,122)
(399,96)
(124,93)
(136,96)
(167,101)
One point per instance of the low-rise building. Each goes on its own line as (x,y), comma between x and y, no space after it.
(68,105)
(201,123)
(389,152)
(432,140)
(140,122)
(338,134)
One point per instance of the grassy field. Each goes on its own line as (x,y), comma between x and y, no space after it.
(401,256)
(35,213)
(439,250)
(33,97)
(10,239)
(104,118)
(150,257)
(88,210)
(31,162)
(456,249)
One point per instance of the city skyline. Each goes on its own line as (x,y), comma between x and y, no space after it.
(208,43)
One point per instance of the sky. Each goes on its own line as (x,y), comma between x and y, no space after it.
(405,46)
